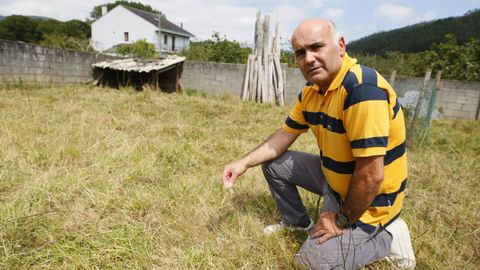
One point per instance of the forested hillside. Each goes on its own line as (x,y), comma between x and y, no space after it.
(420,37)
(73,34)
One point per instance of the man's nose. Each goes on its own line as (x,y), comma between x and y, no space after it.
(309,57)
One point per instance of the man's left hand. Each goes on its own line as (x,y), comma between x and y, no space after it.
(326,227)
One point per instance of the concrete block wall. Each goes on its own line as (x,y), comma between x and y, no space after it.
(27,63)
(214,78)
(455,99)
(295,84)
(458,99)
(219,78)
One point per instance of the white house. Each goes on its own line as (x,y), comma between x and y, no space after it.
(123,25)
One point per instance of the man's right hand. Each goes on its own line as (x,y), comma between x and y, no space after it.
(270,149)
(232,171)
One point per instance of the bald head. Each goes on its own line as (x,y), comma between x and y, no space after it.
(319,50)
(318,23)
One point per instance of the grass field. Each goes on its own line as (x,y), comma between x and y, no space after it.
(96,178)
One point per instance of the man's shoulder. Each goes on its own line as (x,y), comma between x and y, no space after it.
(361,75)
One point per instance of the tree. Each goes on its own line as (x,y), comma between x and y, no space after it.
(217,49)
(47,26)
(66,42)
(288,57)
(96,13)
(75,28)
(457,61)
(73,34)
(460,62)
(420,37)
(20,28)
(141,48)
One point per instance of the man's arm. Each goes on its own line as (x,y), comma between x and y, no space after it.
(270,149)
(366,180)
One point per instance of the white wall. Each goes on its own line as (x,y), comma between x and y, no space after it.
(109,29)
(180,42)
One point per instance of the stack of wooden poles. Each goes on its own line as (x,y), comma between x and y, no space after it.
(264,78)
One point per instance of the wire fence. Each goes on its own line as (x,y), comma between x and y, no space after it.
(417,98)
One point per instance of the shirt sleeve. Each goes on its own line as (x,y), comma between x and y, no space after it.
(295,122)
(367,120)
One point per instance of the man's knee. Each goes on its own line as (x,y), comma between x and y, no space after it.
(267,168)
(318,256)
(282,164)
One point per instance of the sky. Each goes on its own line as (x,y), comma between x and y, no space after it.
(235,19)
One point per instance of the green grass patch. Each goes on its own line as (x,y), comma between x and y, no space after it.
(100,178)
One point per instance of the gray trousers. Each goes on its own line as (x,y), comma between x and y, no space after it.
(351,250)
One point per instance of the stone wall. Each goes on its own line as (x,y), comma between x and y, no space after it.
(455,99)
(458,99)
(26,63)
(214,78)
(31,64)
(219,78)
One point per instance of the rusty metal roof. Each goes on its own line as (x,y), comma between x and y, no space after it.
(139,65)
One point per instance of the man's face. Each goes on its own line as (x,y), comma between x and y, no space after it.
(316,54)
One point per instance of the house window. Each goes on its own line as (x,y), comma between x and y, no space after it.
(165,39)
(125,36)
(173,43)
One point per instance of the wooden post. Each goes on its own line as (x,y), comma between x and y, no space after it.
(280,98)
(392,78)
(252,84)
(264,79)
(265,55)
(247,78)
(257,31)
(284,86)
(177,78)
(433,100)
(477,117)
(438,80)
(418,107)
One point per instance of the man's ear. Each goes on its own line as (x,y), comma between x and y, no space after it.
(342,46)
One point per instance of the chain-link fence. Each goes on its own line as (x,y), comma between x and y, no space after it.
(417,98)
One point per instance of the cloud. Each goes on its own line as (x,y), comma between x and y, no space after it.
(334,14)
(316,3)
(202,18)
(55,9)
(290,13)
(394,12)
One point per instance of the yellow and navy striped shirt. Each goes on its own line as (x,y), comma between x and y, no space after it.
(358,116)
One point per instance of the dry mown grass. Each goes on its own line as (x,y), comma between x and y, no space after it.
(100,178)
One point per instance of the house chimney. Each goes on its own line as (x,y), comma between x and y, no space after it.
(104,10)
(181,25)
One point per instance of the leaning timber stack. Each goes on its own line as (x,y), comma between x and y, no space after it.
(264,77)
